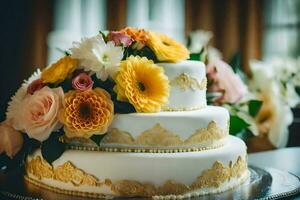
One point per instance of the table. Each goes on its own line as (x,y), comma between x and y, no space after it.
(287,159)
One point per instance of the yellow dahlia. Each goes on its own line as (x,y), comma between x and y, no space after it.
(166,49)
(139,35)
(86,113)
(142,83)
(59,71)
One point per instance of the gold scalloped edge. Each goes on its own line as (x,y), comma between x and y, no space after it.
(68,173)
(171,109)
(154,140)
(185,82)
(135,150)
(66,192)
(103,196)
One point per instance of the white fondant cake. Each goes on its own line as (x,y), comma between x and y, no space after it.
(188,85)
(183,151)
(92,173)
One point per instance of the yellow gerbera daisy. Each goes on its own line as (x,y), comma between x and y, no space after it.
(59,71)
(142,83)
(165,48)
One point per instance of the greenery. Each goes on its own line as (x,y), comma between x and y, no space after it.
(97,138)
(145,51)
(52,148)
(254,107)
(237,125)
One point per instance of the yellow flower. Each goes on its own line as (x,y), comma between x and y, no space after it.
(59,71)
(166,49)
(142,83)
(86,113)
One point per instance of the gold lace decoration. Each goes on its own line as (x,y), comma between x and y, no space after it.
(68,173)
(159,136)
(185,82)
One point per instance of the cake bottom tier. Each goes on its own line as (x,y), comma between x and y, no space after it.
(157,175)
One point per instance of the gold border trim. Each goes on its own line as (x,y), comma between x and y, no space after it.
(65,192)
(154,140)
(213,177)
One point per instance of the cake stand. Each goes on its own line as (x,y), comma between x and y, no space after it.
(265,184)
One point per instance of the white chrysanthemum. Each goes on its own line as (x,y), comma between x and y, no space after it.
(17,98)
(97,56)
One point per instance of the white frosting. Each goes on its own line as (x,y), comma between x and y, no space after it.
(185,99)
(145,167)
(184,124)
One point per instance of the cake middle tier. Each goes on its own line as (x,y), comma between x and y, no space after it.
(187,131)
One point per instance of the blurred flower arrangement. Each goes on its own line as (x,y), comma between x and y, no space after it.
(78,95)
(259,106)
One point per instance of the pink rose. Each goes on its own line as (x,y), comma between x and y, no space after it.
(223,79)
(38,113)
(11,140)
(82,82)
(119,38)
(35,85)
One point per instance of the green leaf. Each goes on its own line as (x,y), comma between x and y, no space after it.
(52,148)
(298,90)
(235,62)
(254,107)
(237,124)
(245,134)
(97,138)
(195,56)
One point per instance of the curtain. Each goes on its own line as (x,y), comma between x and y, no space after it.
(236,25)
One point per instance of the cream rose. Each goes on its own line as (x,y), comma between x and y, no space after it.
(37,114)
(11,140)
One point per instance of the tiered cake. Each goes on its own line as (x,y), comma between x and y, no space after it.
(184,150)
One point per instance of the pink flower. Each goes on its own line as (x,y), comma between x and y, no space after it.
(119,38)
(82,82)
(11,140)
(38,113)
(222,79)
(35,85)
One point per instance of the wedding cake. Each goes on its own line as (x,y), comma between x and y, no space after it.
(155,136)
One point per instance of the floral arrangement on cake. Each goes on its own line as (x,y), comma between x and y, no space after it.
(259,106)
(78,95)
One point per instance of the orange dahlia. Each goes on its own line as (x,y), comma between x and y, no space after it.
(142,83)
(86,113)
(59,71)
(139,35)
(166,49)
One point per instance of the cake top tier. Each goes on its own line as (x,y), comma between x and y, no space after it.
(187,80)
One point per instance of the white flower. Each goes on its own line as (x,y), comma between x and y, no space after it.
(199,39)
(275,115)
(17,98)
(97,56)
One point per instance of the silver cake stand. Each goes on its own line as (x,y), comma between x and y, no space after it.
(264,184)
